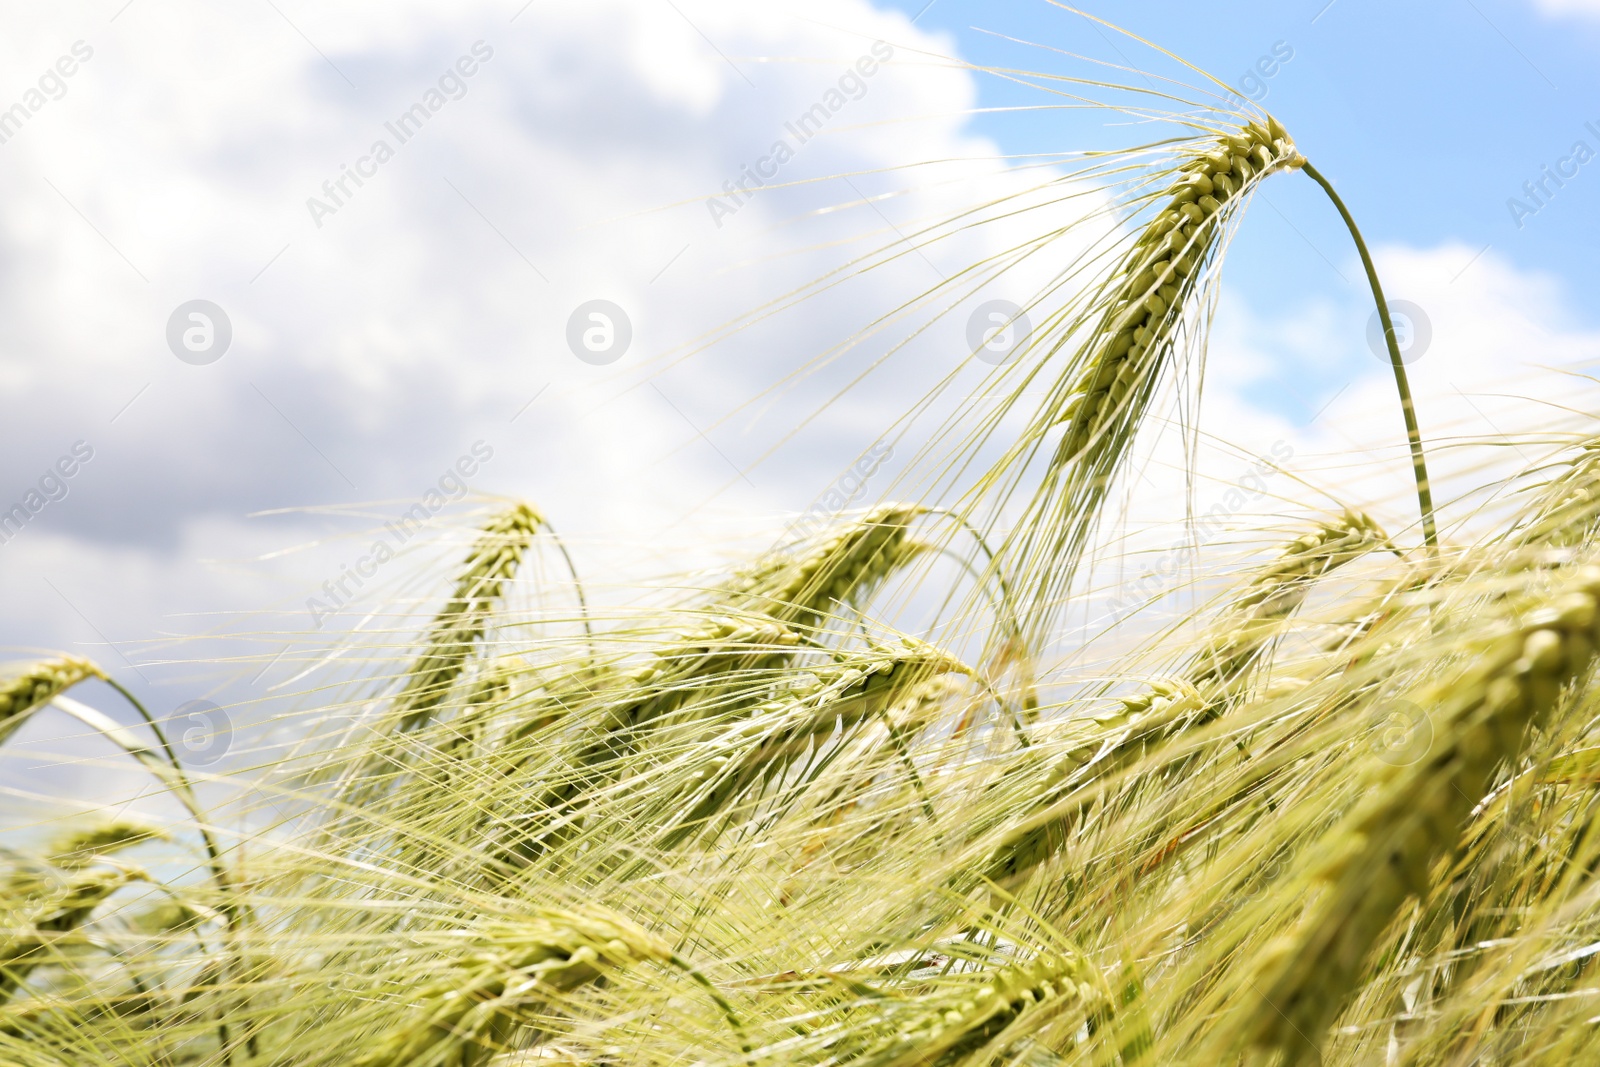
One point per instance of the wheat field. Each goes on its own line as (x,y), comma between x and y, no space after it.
(863,798)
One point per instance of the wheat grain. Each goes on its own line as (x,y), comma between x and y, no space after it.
(37,686)
(1132,343)
(512,972)
(1382,853)
(456,629)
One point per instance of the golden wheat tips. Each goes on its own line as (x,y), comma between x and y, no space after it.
(1164,268)
(38,685)
(493,560)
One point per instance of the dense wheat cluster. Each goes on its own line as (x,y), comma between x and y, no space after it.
(1345,812)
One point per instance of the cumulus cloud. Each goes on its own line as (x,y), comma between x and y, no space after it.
(381,328)
(386,314)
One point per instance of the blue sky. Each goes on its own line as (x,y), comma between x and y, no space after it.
(1428,116)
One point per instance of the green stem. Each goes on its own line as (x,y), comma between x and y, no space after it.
(187,796)
(183,789)
(1419,463)
(577,583)
(904,752)
(728,1012)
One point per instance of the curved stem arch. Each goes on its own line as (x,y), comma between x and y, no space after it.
(1419,462)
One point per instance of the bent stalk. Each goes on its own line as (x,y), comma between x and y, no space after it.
(1419,462)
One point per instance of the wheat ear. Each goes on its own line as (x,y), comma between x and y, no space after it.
(826,709)
(800,588)
(953,1026)
(492,561)
(1382,853)
(46,913)
(1255,618)
(513,974)
(1115,739)
(1160,274)
(37,686)
(750,626)
(1134,337)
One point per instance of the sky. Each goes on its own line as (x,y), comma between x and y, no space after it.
(1431,115)
(396,317)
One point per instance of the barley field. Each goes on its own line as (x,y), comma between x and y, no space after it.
(872,796)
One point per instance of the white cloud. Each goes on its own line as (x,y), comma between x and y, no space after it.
(1503,382)
(431,307)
